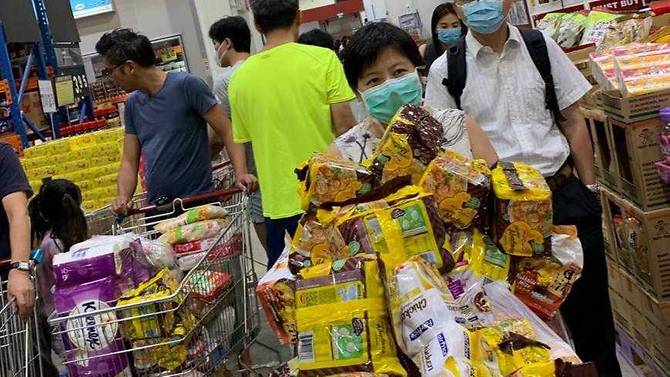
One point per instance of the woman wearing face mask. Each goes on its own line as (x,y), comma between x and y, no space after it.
(381,66)
(446,29)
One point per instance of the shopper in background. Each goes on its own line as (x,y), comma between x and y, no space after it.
(57,223)
(497,81)
(15,230)
(166,122)
(317,37)
(232,41)
(381,65)
(446,29)
(290,101)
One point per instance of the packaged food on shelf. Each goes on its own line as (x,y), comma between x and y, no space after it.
(596,26)
(461,188)
(570,30)
(524,209)
(328,179)
(411,141)
(342,320)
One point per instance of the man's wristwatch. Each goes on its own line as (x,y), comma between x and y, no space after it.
(21,266)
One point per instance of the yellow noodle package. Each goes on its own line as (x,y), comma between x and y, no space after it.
(342,320)
(461,189)
(486,259)
(524,209)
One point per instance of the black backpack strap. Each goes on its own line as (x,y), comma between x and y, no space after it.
(457,70)
(537,48)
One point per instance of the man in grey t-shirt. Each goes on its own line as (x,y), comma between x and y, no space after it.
(232,41)
(166,123)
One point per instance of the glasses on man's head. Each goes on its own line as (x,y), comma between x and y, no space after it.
(108,71)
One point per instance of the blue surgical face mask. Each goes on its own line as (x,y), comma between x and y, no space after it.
(383,101)
(449,36)
(484,16)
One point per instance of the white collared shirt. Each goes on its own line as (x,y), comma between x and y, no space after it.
(505,95)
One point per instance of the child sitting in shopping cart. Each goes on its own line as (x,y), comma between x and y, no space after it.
(57,223)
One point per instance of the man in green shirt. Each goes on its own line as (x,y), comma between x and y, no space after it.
(289,101)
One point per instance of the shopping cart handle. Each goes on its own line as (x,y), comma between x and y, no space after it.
(221,195)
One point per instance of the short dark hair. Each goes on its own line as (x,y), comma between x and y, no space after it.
(317,37)
(369,41)
(439,12)
(234,28)
(121,45)
(271,15)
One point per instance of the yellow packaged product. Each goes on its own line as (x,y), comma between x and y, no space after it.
(81,141)
(35,162)
(461,188)
(42,172)
(139,322)
(315,243)
(411,141)
(342,321)
(106,180)
(89,205)
(412,227)
(486,259)
(103,160)
(111,148)
(510,348)
(88,151)
(276,293)
(523,209)
(77,165)
(108,136)
(328,179)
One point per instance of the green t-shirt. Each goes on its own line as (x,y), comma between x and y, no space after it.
(280,100)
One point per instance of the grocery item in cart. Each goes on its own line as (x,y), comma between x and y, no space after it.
(207,285)
(524,209)
(329,179)
(103,256)
(412,227)
(208,212)
(89,339)
(139,323)
(276,292)
(195,231)
(461,188)
(411,141)
(342,320)
(315,243)
(159,253)
(486,260)
(544,282)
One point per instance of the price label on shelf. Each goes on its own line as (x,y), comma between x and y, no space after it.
(47,96)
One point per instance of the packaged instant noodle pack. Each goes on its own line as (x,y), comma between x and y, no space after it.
(404,269)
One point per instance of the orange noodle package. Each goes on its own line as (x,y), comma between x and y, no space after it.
(461,189)
(544,282)
(524,210)
(342,320)
(411,141)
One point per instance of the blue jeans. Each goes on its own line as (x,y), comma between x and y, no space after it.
(276,229)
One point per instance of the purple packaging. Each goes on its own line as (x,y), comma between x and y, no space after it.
(101,257)
(89,340)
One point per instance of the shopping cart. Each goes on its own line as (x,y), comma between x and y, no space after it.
(19,341)
(102,221)
(194,336)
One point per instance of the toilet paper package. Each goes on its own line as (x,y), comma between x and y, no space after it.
(90,339)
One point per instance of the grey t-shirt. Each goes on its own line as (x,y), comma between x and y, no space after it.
(173,136)
(221,91)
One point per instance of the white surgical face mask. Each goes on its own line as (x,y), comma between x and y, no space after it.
(220,55)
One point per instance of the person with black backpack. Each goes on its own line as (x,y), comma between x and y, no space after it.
(523,90)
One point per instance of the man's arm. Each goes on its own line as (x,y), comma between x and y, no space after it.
(19,286)
(343,117)
(575,130)
(127,181)
(218,120)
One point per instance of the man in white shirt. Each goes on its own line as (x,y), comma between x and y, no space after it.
(500,85)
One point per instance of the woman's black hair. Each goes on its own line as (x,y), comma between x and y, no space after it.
(439,12)
(369,42)
(57,208)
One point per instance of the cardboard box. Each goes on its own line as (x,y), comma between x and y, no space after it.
(32,107)
(634,150)
(642,239)
(634,109)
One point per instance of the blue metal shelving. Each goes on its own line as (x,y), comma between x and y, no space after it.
(42,55)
